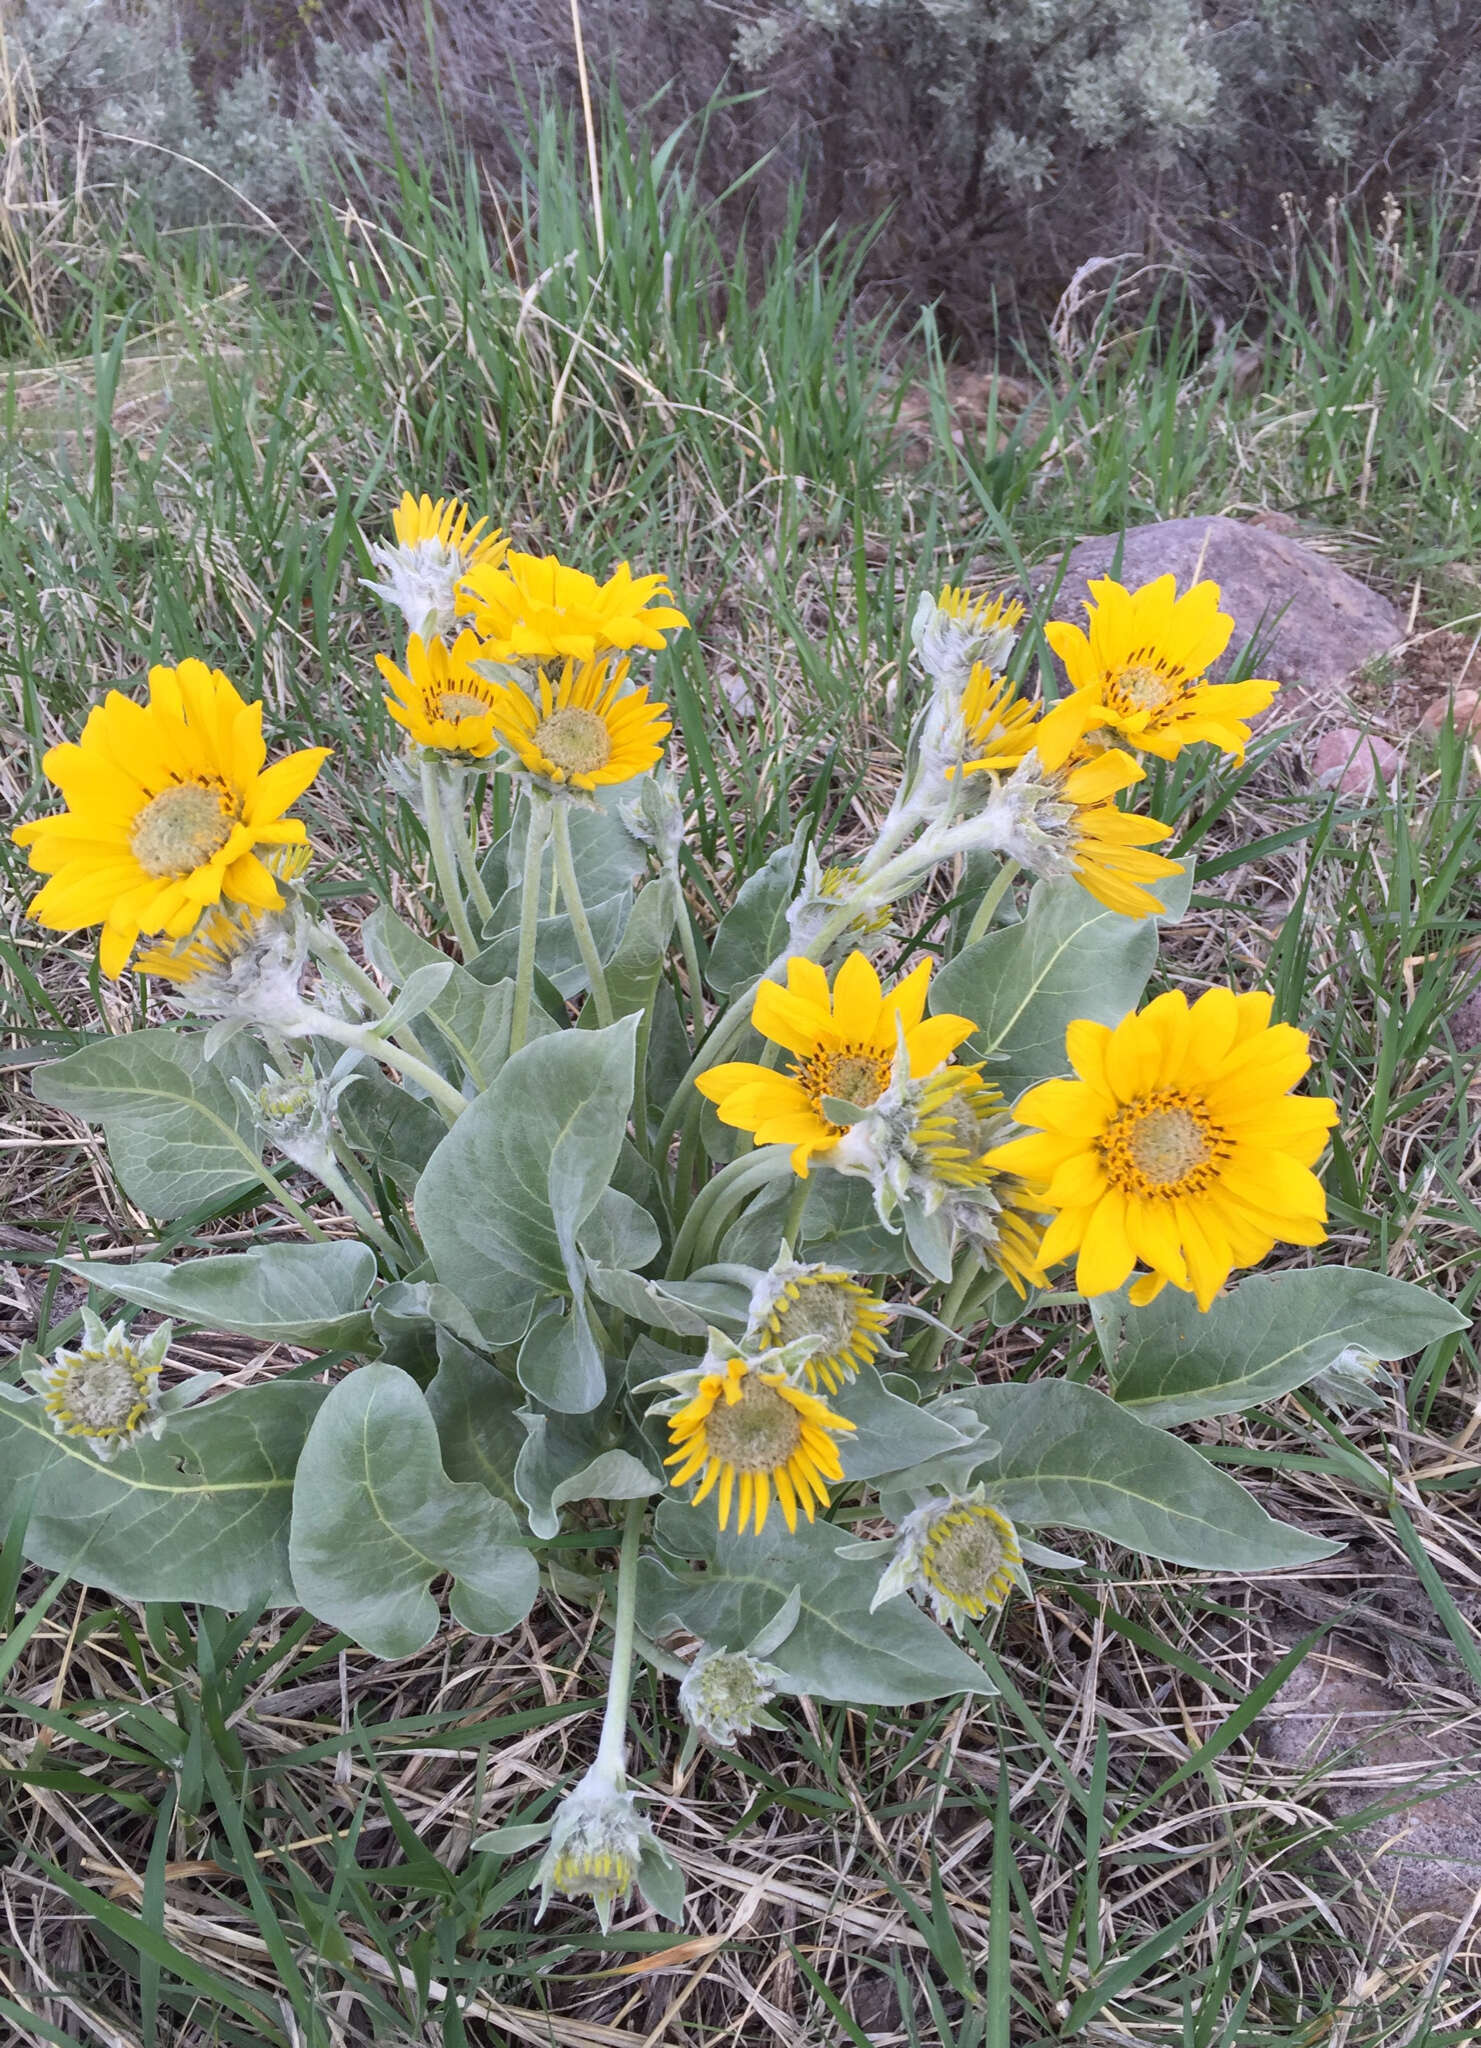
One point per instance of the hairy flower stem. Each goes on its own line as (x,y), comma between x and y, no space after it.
(612,1749)
(986,910)
(690,945)
(440,838)
(931,1342)
(366,1039)
(330,950)
(591,958)
(529,921)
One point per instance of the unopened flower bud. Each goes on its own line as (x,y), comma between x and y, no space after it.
(596,1845)
(725,1693)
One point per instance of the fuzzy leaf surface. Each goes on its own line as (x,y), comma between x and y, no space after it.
(1070,1458)
(376,1519)
(311,1295)
(200,1513)
(838,1649)
(1271,1333)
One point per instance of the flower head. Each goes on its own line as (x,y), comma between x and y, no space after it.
(1139,674)
(1179,1145)
(442,702)
(596,1845)
(958,1554)
(843,1320)
(955,632)
(752,1433)
(295,1112)
(582,731)
(435,547)
(654,815)
(843,1045)
(533,608)
(243,963)
(106,1391)
(924,1147)
(724,1694)
(168,804)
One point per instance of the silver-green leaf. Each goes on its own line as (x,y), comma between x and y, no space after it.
(311,1295)
(1070,1458)
(1171,1363)
(838,1649)
(200,1513)
(376,1519)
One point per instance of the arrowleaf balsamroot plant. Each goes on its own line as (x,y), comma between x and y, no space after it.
(708,1275)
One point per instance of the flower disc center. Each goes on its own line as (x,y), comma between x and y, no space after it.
(102,1393)
(1144,689)
(575,739)
(757,1433)
(818,1307)
(965,1553)
(181,829)
(1165,1144)
(456,704)
(852,1074)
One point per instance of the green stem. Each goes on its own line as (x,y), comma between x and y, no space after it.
(792,1227)
(365,1039)
(719,1199)
(338,1186)
(330,950)
(591,958)
(291,1203)
(986,910)
(466,847)
(612,1749)
(932,1343)
(440,838)
(690,945)
(529,920)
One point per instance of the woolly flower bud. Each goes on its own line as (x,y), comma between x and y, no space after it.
(958,1554)
(596,1845)
(725,1693)
(1354,1379)
(655,815)
(824,892)
(107,1391)
(955,631)
(295,1112)
(240,964)
(434,549)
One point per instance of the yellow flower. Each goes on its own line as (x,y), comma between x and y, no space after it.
(222,937)
(1179,1145)
(444,524)
(843,1045)
(168,804)
(1107,846)
(442,702)
(533,608)
(844,1320)
(1000,726)
(1139,674)
(435,546)
(582,731)
(958,1555)
(751,1433)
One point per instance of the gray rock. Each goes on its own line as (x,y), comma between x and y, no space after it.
(1340,1709)
(1317,624)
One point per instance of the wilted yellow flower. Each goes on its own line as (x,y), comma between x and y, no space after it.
(442,702)
(753,1433)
